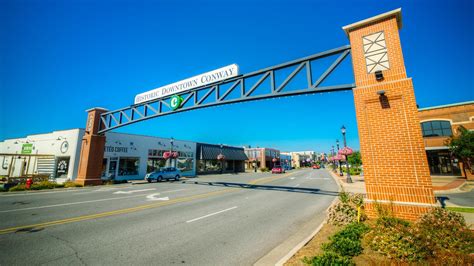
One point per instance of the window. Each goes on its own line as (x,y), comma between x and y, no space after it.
(128,166)
(185,164)
(154,164)
(436,128)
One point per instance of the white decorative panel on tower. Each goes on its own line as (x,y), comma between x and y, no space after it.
(375,51)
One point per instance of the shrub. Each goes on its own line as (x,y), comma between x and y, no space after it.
(352,170)
(343,245)
(113,182)
(19,187)
(347,241)
(71,184)
(264,169)
(349,209)
(445,233)
(43,185)
(438,234)
(395,239)
(329,258)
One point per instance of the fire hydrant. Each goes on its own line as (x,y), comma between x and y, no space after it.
(29,181)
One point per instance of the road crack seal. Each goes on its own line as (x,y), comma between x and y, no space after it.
(70,246)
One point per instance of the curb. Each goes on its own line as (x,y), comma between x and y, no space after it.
(302,243)
(454,190)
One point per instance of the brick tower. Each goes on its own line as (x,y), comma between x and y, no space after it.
(92,150)
(395,164)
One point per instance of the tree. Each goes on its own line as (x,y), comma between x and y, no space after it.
(461,146)
(354,159)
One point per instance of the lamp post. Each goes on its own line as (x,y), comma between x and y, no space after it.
(221,158)
(332,159)
(347,152)
(255,162)
(340,166)
(171,151)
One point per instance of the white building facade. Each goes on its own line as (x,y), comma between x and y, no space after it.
(126,157)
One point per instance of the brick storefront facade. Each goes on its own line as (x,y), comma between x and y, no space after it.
(438,124)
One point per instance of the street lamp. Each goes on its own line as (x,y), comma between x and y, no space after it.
(221,158)
(347,152)
(332,157)
(172,146)
(340,166)
(255,161)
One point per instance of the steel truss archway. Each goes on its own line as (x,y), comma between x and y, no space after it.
(160,107)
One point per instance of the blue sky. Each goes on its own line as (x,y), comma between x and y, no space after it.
(59,58)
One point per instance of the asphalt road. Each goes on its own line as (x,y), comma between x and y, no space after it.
(211,220)
(465,199)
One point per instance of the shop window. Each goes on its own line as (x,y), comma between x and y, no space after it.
(212,165)
(104,167)
(185,164)
(154,164)
(436,128)
(201,165)
(128,166)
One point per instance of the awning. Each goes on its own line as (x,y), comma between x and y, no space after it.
(210,152)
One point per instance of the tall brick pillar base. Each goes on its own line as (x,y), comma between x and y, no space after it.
(395,165)
(92,150)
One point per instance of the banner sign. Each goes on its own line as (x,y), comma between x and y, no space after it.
(220,74)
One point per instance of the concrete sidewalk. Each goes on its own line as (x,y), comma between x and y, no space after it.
(441,185)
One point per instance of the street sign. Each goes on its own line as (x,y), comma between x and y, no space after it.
(27,148)
(176,101)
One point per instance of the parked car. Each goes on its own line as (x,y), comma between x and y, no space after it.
(316,166)
(278,169)
(164,173)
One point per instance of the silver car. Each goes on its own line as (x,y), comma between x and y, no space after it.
(164,173)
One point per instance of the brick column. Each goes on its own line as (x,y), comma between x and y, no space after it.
(92,150)
(395,165)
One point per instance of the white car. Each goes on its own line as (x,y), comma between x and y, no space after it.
(164,173)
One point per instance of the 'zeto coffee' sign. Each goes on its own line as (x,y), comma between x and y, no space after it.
(190,83)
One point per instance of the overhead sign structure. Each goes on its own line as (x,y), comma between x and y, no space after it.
(220,74)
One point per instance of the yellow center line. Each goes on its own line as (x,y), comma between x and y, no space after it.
(134,209)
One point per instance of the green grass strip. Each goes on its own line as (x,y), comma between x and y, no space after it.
(461,209)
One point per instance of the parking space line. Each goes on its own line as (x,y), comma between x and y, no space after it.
(211,214)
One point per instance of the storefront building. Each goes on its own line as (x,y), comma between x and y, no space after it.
(303,158)
(55,155)
(261,158)
(438,124)
(209,160)
(285,159)
(130,157)
(126,156)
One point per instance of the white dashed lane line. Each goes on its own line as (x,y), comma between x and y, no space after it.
(211,214)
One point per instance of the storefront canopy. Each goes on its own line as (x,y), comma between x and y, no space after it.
(210,152)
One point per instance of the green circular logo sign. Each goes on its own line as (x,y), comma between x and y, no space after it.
(175,102)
